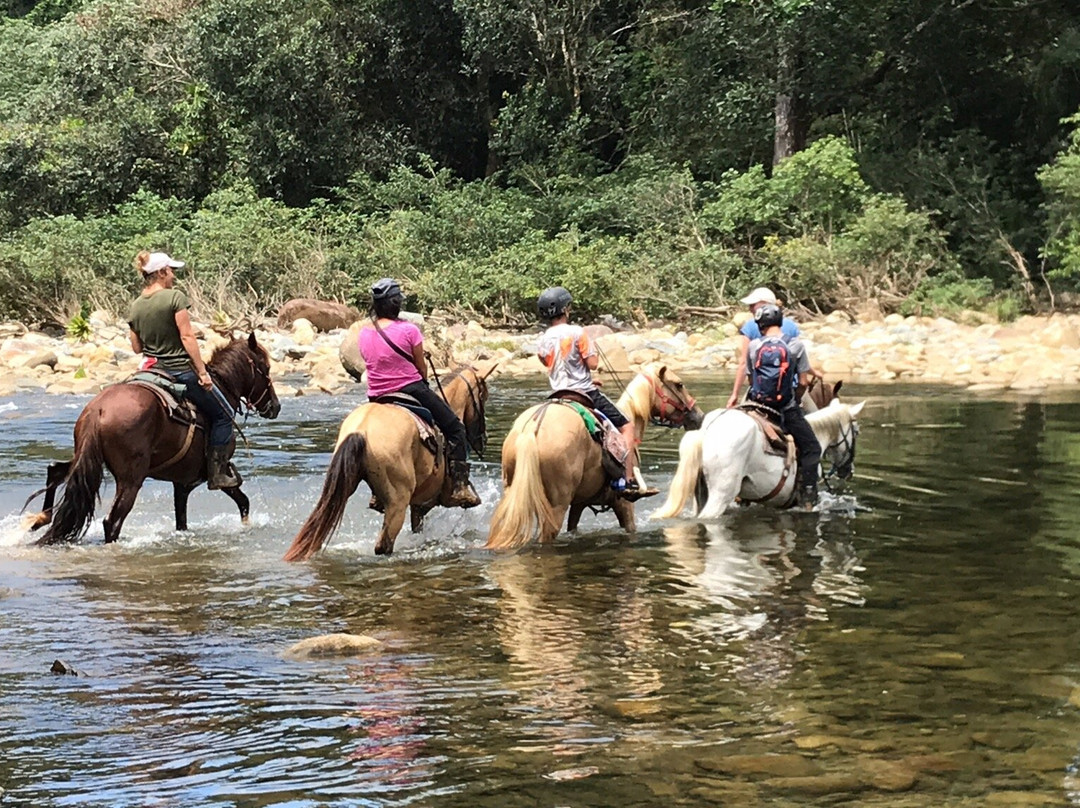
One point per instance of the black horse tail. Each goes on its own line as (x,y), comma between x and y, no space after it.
(347,469)
(73,513)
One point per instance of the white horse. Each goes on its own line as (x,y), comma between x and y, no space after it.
(728,458)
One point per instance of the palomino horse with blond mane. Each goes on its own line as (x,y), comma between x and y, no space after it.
(551,464)
(729,457)
(382,445)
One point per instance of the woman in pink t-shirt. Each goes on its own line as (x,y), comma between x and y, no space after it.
(393,351)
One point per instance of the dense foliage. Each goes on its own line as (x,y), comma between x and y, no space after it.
(649,155)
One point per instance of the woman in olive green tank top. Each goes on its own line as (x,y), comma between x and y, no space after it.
(161,330)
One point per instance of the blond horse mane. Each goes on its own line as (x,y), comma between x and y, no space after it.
(636,400)
(828,422)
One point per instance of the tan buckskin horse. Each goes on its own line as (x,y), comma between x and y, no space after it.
(551,465)
(126,428)
(381,445)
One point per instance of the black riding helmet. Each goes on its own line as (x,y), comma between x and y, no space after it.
(767,316)
(553,301)
(384,289)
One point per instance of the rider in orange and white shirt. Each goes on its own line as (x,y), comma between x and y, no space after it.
(570,357)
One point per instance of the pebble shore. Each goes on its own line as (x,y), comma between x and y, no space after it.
(1032,354)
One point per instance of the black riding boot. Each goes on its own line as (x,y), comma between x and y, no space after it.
(220,473)
(808,496)
(462,495)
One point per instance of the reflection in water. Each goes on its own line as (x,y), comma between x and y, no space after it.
(915,647)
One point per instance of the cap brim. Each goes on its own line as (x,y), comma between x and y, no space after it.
(176,264)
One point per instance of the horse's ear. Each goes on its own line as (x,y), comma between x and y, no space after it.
(483,374)
(856,408)
(252,343)
(661,372)
(836,388)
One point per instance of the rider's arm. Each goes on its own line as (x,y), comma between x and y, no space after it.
(418,358)
(740,369)
(136,343)
(191,345)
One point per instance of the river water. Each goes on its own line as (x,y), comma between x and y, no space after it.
(913,645)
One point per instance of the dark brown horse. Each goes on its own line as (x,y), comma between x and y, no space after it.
(381,445)
(127,429)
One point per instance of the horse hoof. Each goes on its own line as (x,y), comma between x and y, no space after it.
(245,521)
(32,521)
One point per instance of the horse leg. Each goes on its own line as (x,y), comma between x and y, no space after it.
(54,478)
(722,489)
(624,512)
(416,518)
(180,492)
(242,502)
(126,491)
(574,517)
(549,530)
(393,520)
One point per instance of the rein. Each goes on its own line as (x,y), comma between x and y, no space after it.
(476,437)
(844,469)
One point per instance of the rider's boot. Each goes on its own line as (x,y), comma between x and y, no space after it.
(462,494)
(808,495)
(220,473)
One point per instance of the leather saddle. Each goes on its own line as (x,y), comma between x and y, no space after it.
(777,440)
(170,393)
(431,437)
(600,428)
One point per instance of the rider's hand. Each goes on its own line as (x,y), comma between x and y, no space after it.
(205,381)
(598,382)
(733,401)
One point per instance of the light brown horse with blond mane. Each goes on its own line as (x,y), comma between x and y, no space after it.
(551,465)
(381,445)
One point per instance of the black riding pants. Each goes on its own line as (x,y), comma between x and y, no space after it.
(449,423)
(604,405)
(806,443)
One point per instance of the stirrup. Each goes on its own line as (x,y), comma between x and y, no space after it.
(632,493)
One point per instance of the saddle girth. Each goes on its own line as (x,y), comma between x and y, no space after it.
(777,442)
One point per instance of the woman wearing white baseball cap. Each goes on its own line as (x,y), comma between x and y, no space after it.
(161,331)
(759,297)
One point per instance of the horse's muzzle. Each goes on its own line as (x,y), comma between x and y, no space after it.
(272,409)
(693,420)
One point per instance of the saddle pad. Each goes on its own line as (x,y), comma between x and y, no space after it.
(602,431)
(407,402)
(183,411)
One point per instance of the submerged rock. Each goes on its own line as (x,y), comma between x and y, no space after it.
(332,645)
(61,668)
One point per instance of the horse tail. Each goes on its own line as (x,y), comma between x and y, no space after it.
(73,513)
(684,486)
(524,506)
(347,469)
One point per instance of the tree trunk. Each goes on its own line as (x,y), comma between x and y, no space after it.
(789,134)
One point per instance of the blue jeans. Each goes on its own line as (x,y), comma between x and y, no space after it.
(215,410)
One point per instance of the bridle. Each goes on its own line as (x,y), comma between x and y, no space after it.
(673,408)
(250,405)
(845,468)
(259,403)
(475,428)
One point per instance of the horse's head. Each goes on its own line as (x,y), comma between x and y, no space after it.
(670,403)
(841,450)
(821,394)
(242,370)
(466,391)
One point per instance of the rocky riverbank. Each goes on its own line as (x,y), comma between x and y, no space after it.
(1030,354)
